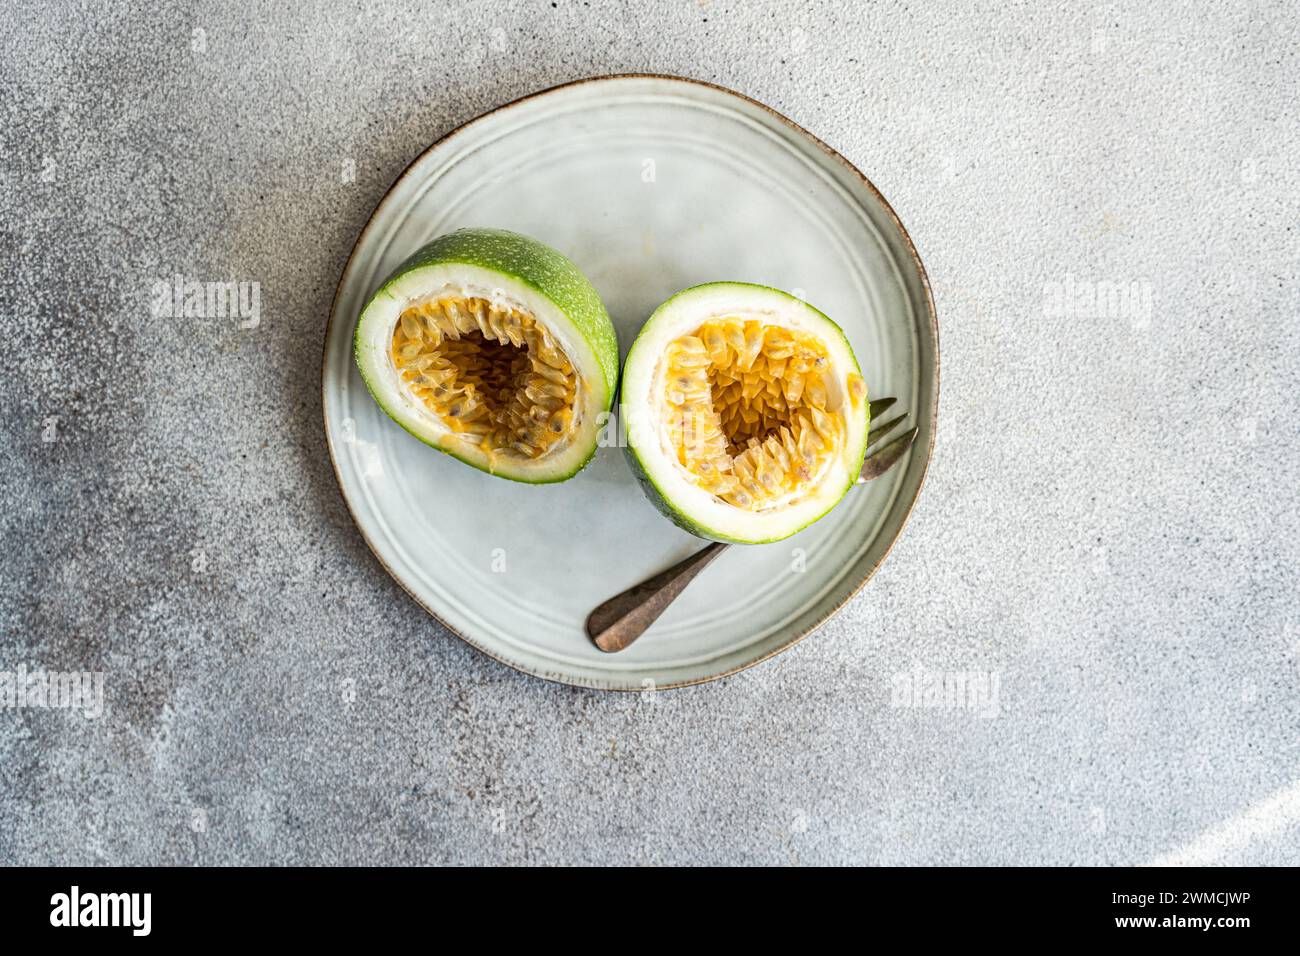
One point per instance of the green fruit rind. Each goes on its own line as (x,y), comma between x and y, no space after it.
(548,271)
(645,348)
(656,497)
(527,270)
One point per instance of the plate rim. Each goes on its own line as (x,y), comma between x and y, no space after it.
(833,154)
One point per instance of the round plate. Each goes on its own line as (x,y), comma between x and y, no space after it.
(650,184)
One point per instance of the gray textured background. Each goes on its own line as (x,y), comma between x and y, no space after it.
(1110,522)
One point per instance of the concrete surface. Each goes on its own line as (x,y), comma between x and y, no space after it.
(1109,529)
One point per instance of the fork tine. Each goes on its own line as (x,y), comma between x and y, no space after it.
(884,428)
(879,406)
(877,464)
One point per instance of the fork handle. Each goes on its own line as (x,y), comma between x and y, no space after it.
(618,622)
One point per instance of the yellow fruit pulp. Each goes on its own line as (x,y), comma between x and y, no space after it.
(492,374)
(752,416)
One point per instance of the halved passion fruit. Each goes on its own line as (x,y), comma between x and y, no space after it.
(746,412)
(495,349)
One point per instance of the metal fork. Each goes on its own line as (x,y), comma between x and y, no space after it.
(615,624)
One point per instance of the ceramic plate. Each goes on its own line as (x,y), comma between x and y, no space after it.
(650,184)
